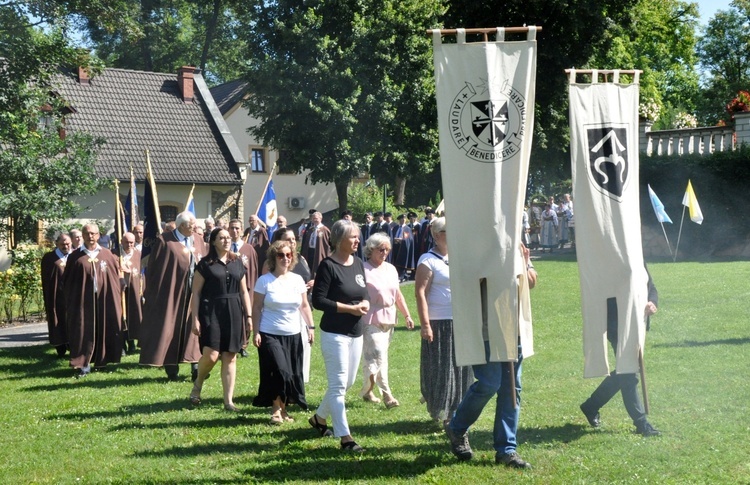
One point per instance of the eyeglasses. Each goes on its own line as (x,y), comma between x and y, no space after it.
(283,255)
(384,250)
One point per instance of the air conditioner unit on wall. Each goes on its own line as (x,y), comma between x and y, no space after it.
(296,202)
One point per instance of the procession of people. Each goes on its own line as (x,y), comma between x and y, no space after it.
(201,302)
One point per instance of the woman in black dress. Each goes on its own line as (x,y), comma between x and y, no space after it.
(221,305)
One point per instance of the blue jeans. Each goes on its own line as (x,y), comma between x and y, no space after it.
(493,378)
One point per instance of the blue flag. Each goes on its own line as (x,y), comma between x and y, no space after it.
(268,212)
(190,205)
(661,214)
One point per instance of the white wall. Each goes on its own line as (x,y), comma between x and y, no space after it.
(318,196)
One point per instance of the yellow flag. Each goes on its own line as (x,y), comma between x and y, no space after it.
(691,202)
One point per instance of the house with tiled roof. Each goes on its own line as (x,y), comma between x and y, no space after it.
(172,116)
(294,196)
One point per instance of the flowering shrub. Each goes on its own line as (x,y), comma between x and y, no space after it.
(21,284)
(649,110)
(740,104)
(685,120)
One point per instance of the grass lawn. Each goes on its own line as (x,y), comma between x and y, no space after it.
(129,425)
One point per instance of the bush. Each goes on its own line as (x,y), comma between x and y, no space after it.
(21,284)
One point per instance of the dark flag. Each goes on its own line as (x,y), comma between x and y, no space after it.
(152,216)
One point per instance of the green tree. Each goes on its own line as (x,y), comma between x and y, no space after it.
(327,92)
(42,170)
(174,33)
(724,52)
(659,39)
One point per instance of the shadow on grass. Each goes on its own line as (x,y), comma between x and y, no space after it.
(695,343)
(566,433)
(300,454)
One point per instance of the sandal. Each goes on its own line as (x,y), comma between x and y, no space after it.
(276,420)
(232,408)
(287,418)
(393,403)
(351,446)
(195,400)
(322,428)
(370,397)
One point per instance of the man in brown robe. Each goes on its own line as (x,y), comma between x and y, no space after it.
(316,242)
(257,236)
(93,308)
(53,266)
(138,233)
(249,258)
(131,269)
(165,335)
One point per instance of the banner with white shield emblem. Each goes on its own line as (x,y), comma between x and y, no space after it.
(604,157)
(485,99)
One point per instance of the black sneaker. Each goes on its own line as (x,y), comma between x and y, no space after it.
(647,430)
(512,460)
(592,418)
(459,443)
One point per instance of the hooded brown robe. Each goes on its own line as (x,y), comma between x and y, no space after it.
(94,312)
(165,333)
(321,250)
(54,300)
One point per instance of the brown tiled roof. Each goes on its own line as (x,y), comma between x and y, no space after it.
(228,94)
(134,111)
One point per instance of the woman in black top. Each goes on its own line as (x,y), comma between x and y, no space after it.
(340,292)
(221,304)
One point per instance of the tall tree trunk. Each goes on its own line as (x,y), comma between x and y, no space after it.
(342,191)
(399,190)
(210,31)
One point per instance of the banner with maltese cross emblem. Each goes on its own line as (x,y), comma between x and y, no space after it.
(604,158)
(485,98)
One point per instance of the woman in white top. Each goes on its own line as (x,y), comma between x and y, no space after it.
(279,302)
(443,384)
(385,296)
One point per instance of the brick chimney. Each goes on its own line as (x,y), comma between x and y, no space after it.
(83,76)
(185,83)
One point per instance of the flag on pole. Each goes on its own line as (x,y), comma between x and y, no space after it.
(190,205)
(485,103)
(605,166)
(131,204)
(152,216)
(268,212)
(661,214)
(691,202)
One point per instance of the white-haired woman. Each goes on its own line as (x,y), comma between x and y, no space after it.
(385,297)
(443,384)
(340,292)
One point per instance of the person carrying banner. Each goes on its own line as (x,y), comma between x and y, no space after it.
(131,268)
(501,379)
(53,267)
(166,338)
(626,384)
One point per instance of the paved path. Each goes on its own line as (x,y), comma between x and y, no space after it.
(24,335)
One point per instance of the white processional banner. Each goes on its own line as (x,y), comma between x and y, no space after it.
(604,157)
(485,98)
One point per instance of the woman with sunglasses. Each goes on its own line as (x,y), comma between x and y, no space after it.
(279,301)
(221,305)
(385,297)
(443,384)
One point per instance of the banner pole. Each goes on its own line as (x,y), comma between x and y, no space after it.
(190,196)
(644,387)
(669,246)
(119,220)
(682,219)
(263,194)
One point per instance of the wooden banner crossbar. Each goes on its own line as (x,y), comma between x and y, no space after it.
(615,73)
(484,31)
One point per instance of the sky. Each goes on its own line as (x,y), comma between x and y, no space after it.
(709,7)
